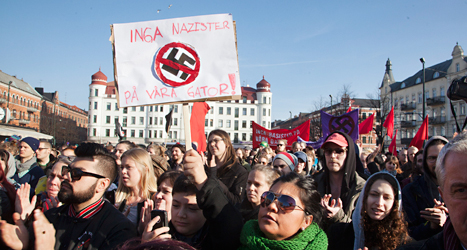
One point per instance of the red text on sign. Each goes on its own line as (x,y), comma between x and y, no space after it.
(194,27)
(161,92)
(144,35)
(206,91)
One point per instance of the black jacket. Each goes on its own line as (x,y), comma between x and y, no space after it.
(105,230)
(223,220)
(232,181)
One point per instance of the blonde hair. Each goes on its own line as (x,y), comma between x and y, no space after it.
(148,182)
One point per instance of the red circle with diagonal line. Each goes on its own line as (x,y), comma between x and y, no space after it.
(159,62)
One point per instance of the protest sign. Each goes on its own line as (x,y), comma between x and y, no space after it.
(261,134)
(176,60)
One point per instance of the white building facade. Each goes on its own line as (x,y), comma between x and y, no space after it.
(146,124)
(407,98)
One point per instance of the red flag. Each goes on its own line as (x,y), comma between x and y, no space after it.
(392,146)
(349,109)
(389,123)
(367,125)
(198,114)
(422,134)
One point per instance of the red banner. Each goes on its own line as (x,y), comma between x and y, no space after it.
(272,136)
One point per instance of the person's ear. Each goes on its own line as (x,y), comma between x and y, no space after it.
(102,185)
(306,222)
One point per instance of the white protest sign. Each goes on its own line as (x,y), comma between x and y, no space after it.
(176,60)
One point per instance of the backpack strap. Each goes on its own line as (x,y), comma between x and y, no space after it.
(455,118)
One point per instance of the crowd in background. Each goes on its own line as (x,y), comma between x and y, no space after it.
(338,196)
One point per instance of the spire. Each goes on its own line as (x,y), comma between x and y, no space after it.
(457,51)
(388,77)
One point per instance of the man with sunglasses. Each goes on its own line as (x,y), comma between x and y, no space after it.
(87,221)
(281,146)
(339,184)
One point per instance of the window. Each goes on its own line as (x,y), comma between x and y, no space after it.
(269,125)
(244,124)
(235,137)
(133,108)
(96,92)
(264,112)
(264,123)
(95,105)
(402,85)
(109,106)
(269,112)
(458,68)
(427,94)
(170,134)
(175,122)
(156,108)
(160,133)
(155,120)
(269,100)
(206,122)
(162,109)
(221,123)
(161,121)
(211,110)
(176,111)
(94,132)
(443,131)
(435,75)
(107,119)
(434,93)
(107,132)
(149,134)
(150,122)
(133,120)
(141,133)
(116,106)
(237,111)
(441,91)
(413,98)
(418,81)
(227,124)
(132,133)
(221,110)
(244,111)
(94,119)
(124,121)
(264,99)
(236,125)
(141,121)
(243,136)
(364,139)
(252,111)
(420,98)
(141,108)
(211,122)
(125,110)
(175,134)
(229,111)
(244,99)
(150,108)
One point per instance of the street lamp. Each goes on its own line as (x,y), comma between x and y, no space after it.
(422,60)
(331,103)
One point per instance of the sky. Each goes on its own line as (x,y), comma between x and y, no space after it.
(307,50)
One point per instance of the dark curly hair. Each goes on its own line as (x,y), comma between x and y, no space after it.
(390,232)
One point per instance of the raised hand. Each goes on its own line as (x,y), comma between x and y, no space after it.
(333,208)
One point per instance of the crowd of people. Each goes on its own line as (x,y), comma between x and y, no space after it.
(338,196)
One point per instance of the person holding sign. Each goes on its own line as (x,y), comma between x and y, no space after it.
(224,165)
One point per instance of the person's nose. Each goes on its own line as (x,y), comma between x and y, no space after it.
(273,207)
(159,195)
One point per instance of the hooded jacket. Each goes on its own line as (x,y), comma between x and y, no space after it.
(418,195)
(352,184)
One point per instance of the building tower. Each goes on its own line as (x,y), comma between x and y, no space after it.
(96,95)
(264,97)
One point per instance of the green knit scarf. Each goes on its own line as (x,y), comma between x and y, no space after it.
(312,237)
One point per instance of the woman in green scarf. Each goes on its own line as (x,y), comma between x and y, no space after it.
(289,217)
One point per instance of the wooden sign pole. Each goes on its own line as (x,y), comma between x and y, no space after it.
(186,122)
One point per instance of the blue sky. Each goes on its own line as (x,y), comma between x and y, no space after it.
(307,50)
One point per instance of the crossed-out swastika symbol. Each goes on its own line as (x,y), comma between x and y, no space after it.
(172,65)
(344,124)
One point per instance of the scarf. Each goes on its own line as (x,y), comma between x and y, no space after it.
(312,237)
(451,241)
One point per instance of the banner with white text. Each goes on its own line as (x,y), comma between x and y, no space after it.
(261,134)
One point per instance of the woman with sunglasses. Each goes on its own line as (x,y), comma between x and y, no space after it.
(137,183)
(223,164)
(259,181)
(289,217)
(377,222)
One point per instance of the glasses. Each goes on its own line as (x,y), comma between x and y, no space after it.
(286,203)
(77,173)
(280,145)
(337,151)
(215,141)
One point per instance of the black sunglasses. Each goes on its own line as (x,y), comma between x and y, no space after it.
(337,151)
(286,203)
(76,173)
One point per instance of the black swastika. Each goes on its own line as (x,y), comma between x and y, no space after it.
(183,58)
(344,125)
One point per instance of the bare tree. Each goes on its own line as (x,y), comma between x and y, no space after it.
(346,91)
(383,102)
